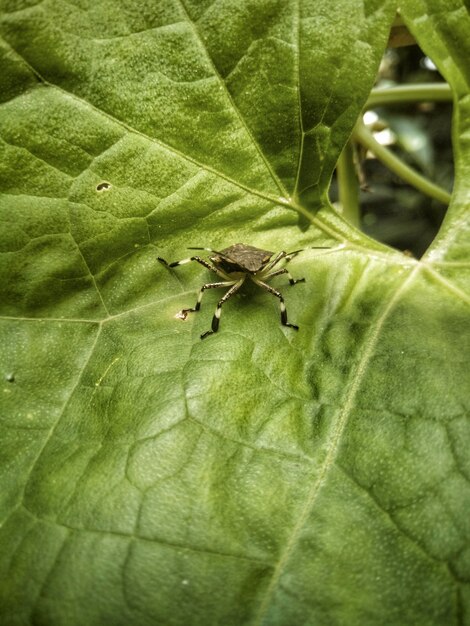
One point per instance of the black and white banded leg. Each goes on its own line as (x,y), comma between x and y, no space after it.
(215,320)
(197,306)
(198,259)
(292,281)
(274,261)
(278,294)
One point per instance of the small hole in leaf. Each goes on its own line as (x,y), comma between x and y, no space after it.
(104,186)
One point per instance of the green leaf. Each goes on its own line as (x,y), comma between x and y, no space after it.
(262,476)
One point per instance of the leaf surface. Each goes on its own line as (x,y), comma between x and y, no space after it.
(263,475)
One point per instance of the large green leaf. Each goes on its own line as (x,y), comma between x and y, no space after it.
(262,476)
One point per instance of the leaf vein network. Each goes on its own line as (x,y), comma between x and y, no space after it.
(235,108)
(352,389)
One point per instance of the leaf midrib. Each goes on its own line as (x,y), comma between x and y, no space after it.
(277,181)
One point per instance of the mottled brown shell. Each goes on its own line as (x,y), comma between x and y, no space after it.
(242,258)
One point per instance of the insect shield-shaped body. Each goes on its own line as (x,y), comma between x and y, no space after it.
(235,264)
(241,259)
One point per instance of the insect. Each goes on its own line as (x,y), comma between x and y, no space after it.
(235,264)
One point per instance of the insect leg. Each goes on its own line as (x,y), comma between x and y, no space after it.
(198,259)
(197,306)
(218,311)
(278,294)
(292,281)
(274,261)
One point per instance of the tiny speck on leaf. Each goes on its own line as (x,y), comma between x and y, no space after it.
(104,186)
(10,378)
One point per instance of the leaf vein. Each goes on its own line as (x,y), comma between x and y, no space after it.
(236,109)
(343,415)
(65,405)
(447,284)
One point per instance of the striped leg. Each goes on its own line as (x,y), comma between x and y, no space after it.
(274,261)
(287,256)
(215,320)
(198,259)
(292,281)
(278,294)
(197,306)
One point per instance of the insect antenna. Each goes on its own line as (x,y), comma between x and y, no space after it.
(208,249)
(309,248)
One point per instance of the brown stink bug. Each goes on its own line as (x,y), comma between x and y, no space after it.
(235,264)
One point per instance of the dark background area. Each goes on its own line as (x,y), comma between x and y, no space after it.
(392,211)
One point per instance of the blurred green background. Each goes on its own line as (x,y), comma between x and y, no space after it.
(393,211)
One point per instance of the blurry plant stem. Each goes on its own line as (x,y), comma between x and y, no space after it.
(348,190)
(363,136)
(346,169)
(427,92)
